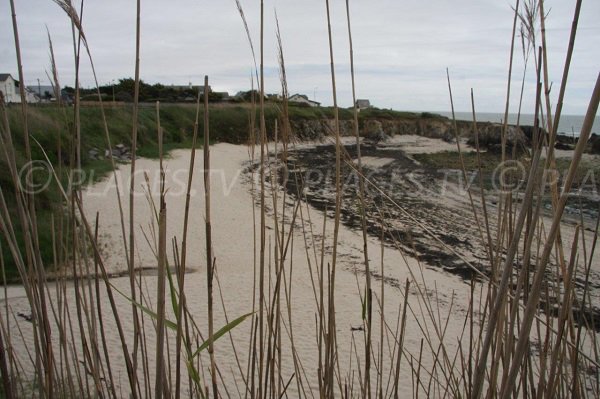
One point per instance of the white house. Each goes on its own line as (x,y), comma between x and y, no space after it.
(10,90)
(8,87)
(363,104)
(303,99)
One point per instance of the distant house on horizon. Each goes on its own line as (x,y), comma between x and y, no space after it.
(303,99)
(223,95)
(190,86)
(363,104)
(246,96)
(43,92)
(46,93)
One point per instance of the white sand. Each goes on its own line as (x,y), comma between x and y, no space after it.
(232,215)
(235,246)
(414,144)
(375,162)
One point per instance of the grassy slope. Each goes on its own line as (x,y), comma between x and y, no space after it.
(49,125)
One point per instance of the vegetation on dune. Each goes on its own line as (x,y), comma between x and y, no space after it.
(52,128)
(48,123)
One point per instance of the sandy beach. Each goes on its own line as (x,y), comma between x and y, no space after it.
(437,297)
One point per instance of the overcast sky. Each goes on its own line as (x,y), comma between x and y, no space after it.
(401,48)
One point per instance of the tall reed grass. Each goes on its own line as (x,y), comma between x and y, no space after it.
(506,342)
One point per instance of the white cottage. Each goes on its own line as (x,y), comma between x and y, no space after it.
(363,104)
(10,90)
(303,99)
(8,87)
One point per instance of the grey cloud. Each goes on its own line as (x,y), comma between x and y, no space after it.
(401,48)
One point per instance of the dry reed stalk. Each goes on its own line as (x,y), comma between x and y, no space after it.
(502,198)
(382,312)
(182,269)
(553,124)
(481,187)
(225,314)
(81,39)
(571,46)
(134,133)
(210,261)
(89,304)
(280,238)
(544,60)
(535,291)
(361,196)
(498,302)
(7,387)
(110,381)
(160,386)
(251,364)
(45,358)
(567,304)
(286,133)
(248,36)
(522,281)
(109,286)
(272,311)
(575,361)
(263,139)
(75,164)
(82,305)
(5,331)
(509,79)
(308,232)
(331,342)
(401,340)
(298,368)
(462,162)
(321,372)
(7,225)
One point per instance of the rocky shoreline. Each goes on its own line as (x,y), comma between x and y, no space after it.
(421,209)
(433,127)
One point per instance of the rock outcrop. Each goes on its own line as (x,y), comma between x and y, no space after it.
(120,153)
(379,129)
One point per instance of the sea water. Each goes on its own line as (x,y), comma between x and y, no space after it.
(568,125)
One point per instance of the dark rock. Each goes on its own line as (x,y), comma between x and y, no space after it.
(93,154)
(373,131)
(25,316)
(594,144)
(563,146)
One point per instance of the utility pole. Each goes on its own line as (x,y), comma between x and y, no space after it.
(39,90)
